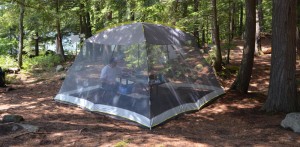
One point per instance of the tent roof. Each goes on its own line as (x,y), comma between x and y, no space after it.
(141,32)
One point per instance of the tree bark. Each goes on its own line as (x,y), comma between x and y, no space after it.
(218,62)
(36,48)
(203,37)
(298,29)
(196,27)
(244,76)
(109,16)
(132,16)
(21,33)
(59,46)
(257,33)
(282,95)
(132,5)
(81,19)
(88,26)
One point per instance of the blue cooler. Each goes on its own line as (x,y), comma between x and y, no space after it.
(125,89)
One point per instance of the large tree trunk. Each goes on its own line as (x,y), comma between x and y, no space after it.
(21,33)
(244,76)
(298,29)
(218,62)
(282,95)
(59,46)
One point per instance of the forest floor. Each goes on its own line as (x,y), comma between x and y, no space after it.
(231,120)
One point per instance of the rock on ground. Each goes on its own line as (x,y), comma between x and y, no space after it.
(59,68)
(292,121)
(12,118)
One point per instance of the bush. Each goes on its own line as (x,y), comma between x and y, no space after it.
(211,56)
(7,62)
(12,79)
(41,62)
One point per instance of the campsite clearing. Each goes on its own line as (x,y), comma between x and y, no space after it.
(231,120)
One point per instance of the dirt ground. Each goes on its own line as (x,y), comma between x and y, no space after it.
(231,120)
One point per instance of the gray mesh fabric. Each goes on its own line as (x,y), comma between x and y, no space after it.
(158,74)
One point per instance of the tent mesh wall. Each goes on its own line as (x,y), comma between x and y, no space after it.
(156,80)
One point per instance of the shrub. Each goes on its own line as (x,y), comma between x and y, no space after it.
(7,62)
(41,62)
(211,56)
(12,79)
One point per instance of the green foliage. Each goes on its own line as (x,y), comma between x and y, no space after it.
(6,45)
(136,56)
(228,71)
(7,62)
(40,17)
(211,56)
(267,9)
(12,79)
(123,143)
(41,62)
(227,46)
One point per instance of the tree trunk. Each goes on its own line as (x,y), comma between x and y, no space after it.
(257,35)
(241,30)
(196,27)
(132,17)
(36,48)
(298,29)
(175,11)
(21,33)
(233,27)
(218,62)
(243,78)
(59,46)
(88,26)
(298,42)
(82,19)
(109,16)
(282,95)
(132,13)
(230,30)
(203,37)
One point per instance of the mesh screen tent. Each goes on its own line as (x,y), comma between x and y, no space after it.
(159,74)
